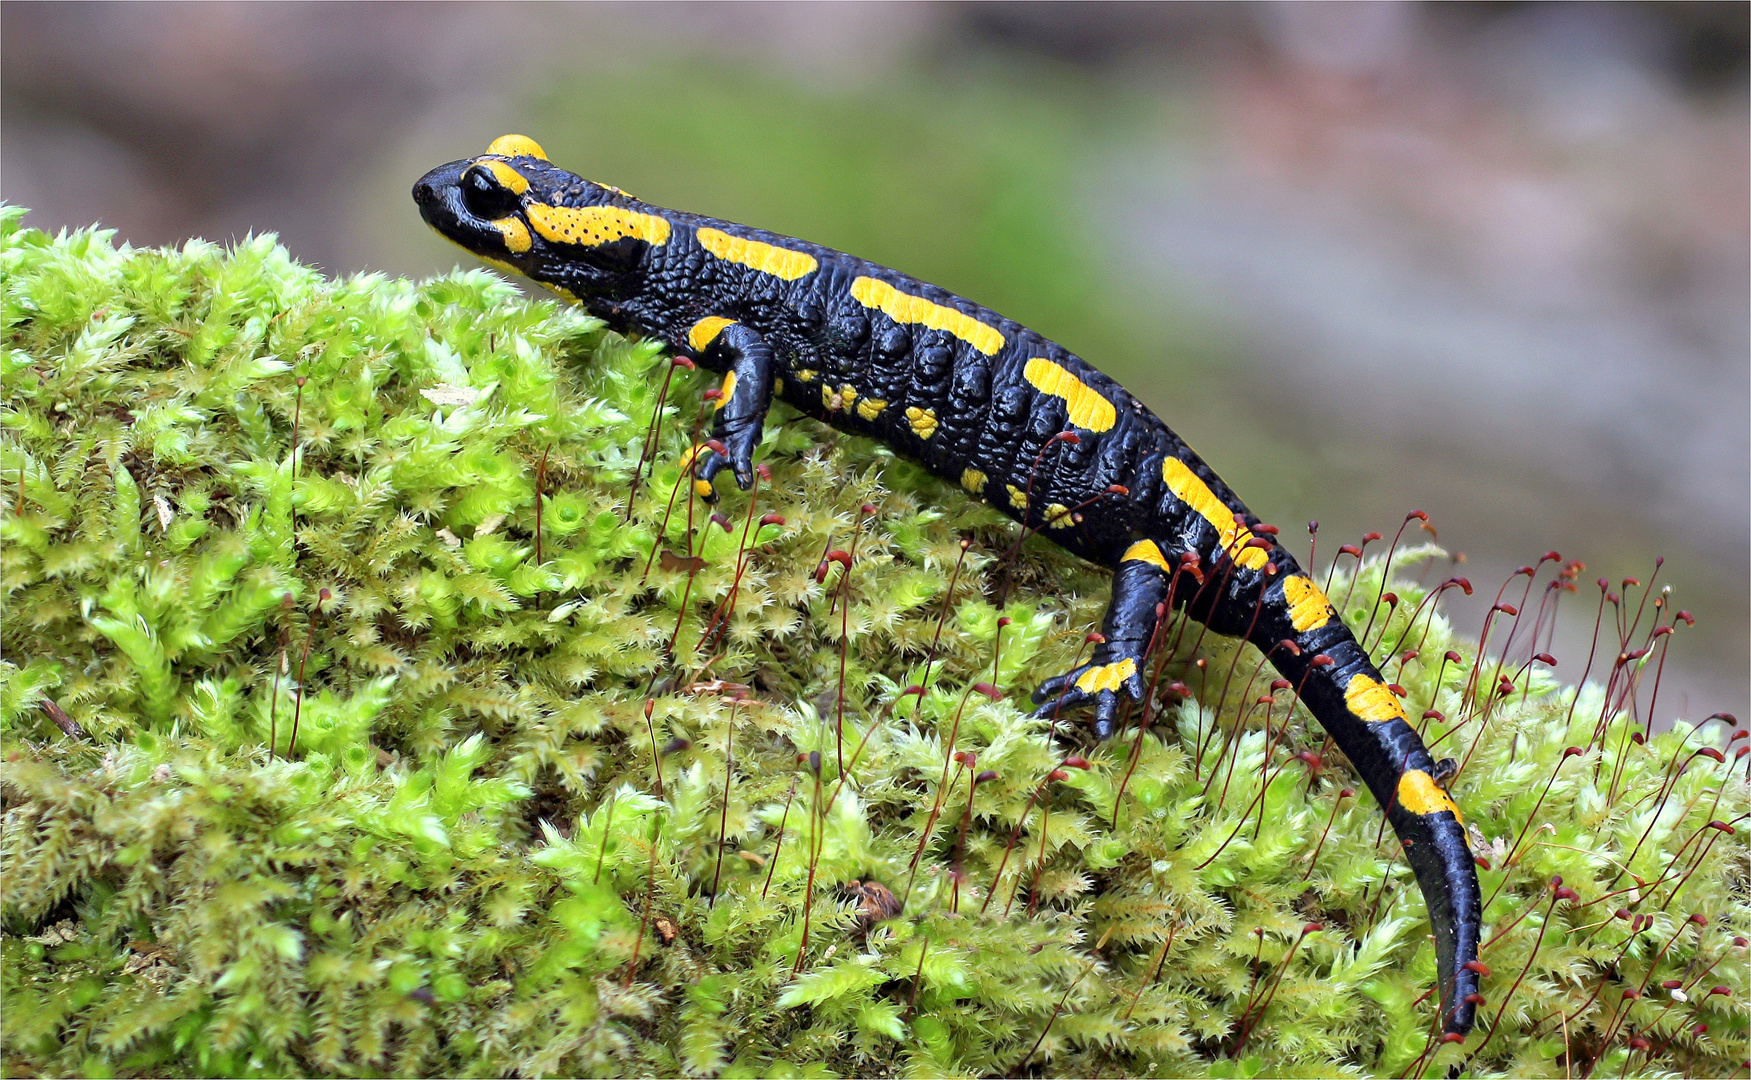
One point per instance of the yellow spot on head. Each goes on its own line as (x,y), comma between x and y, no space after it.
(923,421)
(1106,676)
(1418,793)
(766,258)
(1088,409)
(509,179)
(1308,607)
(1058,516)
(906,308)
(805,375)
(1017,497)
(705,331)
(870,408)
(702,488)
(1145,551)
(1371,700)
(729,387)
(517,146)
(1191,490)
(516,234)
(593,226)
(974,480)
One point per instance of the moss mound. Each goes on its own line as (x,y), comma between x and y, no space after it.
(346,732)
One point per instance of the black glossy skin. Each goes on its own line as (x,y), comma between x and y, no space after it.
(991,418)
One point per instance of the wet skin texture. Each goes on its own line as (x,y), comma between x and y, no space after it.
(977,399)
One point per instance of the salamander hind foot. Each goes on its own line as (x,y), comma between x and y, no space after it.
(1105,683)
(1116,671)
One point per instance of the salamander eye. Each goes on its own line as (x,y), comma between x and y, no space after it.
(485,197)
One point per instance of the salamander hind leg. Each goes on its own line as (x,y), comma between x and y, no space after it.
(1116,672)
(741,411)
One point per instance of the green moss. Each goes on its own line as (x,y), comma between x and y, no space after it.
(241,497)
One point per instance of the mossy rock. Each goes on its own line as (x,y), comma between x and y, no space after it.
(244,501)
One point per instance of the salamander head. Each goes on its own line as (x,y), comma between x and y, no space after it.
(513,209)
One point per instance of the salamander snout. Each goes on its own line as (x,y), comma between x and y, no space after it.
(478,203)
(438,194)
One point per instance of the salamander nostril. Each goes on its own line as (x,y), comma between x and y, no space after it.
(485,197)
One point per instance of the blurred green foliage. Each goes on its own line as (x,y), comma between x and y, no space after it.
(514,834)
(971,184)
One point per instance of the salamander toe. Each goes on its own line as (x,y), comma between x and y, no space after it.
(706,465)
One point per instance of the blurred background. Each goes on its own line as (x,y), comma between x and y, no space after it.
(1489,261)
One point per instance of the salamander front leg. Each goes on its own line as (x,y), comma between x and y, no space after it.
(741,412)
(1139,588)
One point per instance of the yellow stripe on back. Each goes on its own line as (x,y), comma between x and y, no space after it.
(1371,700)
(1308,607)
(766,258)
(1088,409)
(1192,491)
(593,226)
(906,308)
(1418,793)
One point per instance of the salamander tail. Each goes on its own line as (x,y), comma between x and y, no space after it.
(1348,695)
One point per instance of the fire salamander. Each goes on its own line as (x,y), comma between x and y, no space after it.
(976,398)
